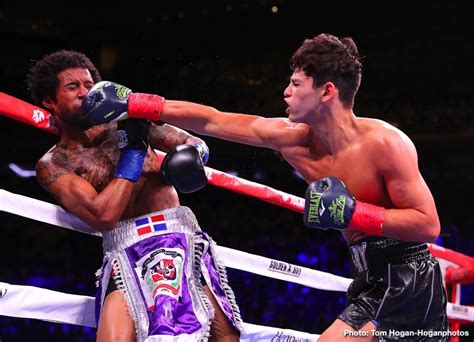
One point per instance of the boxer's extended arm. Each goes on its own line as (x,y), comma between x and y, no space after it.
(108,101)
(415,217)
(274,133)
(100,210)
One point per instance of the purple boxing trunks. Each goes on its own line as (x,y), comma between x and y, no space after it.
(157,261)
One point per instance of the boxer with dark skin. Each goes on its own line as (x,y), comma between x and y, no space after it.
(363,180)
(79,172)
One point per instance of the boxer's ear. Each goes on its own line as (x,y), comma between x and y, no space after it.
(48,103)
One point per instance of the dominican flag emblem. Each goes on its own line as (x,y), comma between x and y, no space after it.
(150,224)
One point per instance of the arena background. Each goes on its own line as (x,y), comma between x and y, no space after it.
(234,55)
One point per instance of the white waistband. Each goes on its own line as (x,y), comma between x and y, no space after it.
(127,232)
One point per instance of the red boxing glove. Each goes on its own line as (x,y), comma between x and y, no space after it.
(145,106)
(367,218)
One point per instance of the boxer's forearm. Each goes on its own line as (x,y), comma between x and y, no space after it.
(237,127)
(410,225)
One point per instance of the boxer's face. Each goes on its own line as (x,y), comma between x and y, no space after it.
(302,99)
(74,83)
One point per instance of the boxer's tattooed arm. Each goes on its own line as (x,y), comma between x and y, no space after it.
(47,172)
(166,137)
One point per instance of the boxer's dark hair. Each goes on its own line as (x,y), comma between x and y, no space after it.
(327,58)
(42,80)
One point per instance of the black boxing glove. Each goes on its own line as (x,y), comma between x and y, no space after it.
(183,167)
(329,204)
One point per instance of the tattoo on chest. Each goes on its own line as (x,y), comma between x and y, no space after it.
(95,164)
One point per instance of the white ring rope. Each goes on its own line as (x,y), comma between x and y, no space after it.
(38,303)
(55,215)
(33,302)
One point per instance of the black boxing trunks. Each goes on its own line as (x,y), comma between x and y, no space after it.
(398,286)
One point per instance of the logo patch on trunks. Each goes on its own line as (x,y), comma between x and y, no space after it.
(150,224)
(161,273)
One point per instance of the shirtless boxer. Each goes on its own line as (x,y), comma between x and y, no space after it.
(157,260)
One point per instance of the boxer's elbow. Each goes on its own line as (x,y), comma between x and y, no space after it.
(104,221)
(106,226)
(431,230)
(107,223)
(102,225)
